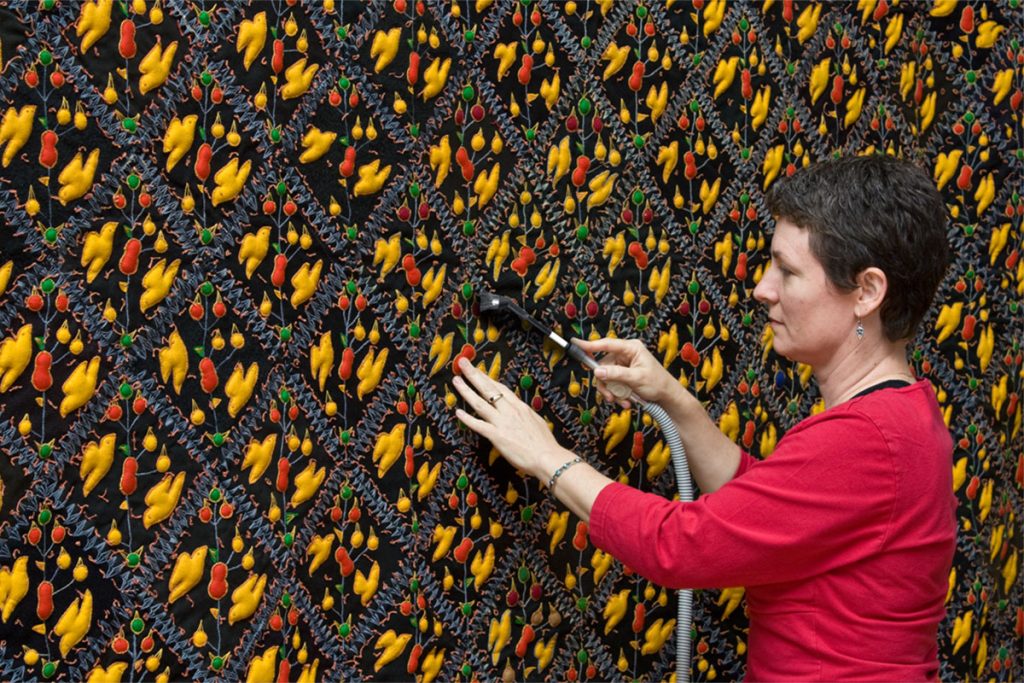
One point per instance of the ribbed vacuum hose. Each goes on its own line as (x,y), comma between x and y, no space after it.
(684,616)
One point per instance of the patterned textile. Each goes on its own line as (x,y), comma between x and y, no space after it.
(241,249)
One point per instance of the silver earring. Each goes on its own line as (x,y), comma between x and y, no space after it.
(859,330)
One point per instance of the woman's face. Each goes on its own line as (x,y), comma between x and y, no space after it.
(811,320)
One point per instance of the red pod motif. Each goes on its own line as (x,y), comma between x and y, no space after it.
(348,357)
(218,586)
(277,61)
(126,45)
(129,262)
(203,158)
(48,152)
(413,73)
(44,600)
(129,481)
(208,375)
(42,379)
(283,467)
(525,69)
(280,263)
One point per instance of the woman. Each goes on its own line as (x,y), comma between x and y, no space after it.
(844,537)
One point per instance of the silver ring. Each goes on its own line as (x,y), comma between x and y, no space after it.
(494,399)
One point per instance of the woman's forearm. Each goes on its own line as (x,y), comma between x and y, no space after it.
(576,486)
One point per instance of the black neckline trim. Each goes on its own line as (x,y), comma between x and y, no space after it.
(887,384)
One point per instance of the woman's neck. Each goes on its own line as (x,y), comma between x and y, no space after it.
(868,364)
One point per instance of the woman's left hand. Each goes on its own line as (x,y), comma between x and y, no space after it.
(520,434)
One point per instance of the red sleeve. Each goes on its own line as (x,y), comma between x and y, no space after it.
(823,499)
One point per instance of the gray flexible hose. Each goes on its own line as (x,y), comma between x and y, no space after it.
(684,616)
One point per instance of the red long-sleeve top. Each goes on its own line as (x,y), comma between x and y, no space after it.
(843,538)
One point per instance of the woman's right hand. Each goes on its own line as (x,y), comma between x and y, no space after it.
(629,362)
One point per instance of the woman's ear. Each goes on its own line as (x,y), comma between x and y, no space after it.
(872,287)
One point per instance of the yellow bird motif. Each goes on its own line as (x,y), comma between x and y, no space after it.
(93,22)
(15,355)
(257,456)
(808,22)
(297,78)
(559,159)
(369,372)
(97,248)
(657,101)
(254,249)
(558,522)
(97,458)
(656,635)
(366,586)
(668,159)
(391,647)
(435,77)
(441,160)
(162,499)
(444,536)
(5,276)
(178,139)
(550,91)
(308,674)
(486,185)
(371,178)
(304,282)
(110,674)
(384,47)
(988,34)
(433,283)
(601,187)
(388,252)
(80,386)
(307,482)
(499,634)
(506,54)
(759,108)
(388,447)
(74,623)
(316,143)
(252,36)
(76,178)
(616,57)
(15,130)
(482,566)
(615,609)
(157,282)
(156,66)
(263,667)
(426,478)
(240,386)
(187,573)
(246,598)
(229,181)
(320,548)
(13,586)
(173,360)
(321,359)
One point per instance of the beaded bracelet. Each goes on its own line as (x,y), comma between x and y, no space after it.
(560,470)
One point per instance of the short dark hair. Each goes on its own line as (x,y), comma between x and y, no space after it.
(875,210)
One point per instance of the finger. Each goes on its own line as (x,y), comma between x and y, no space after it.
(481,381)
(617,373)
(603,345)
(481,427)
(473,399)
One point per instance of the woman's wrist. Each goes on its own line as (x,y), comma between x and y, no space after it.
(551,462)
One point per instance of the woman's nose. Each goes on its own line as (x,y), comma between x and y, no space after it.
(765,290)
